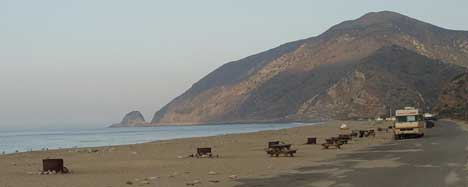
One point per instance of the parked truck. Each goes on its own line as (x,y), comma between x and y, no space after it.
(409,122)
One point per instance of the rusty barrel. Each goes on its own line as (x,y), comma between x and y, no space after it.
(52,165)
(312,140)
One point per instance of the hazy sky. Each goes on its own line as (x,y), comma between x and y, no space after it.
(86,63)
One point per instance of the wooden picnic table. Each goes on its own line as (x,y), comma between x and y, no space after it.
(366,133)
(278,149)
(333,141)
(274,143)
(281,146)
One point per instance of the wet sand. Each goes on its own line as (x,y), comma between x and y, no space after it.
(165,163)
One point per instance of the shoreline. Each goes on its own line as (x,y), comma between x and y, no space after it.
(168,139)
(165,162)
(215,123)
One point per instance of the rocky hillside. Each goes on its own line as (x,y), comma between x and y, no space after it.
(358,68)
(453,102)
(391,78)
(134,118)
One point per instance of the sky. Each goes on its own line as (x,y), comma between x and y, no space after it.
(70,63)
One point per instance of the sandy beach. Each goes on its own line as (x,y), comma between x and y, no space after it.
(165,163)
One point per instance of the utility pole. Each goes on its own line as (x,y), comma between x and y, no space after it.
(466,103)
(466,112)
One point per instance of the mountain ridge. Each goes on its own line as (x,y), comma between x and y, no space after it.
(269,86)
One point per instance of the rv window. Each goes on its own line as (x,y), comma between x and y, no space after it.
(406,118)
(411,118)
(401,118)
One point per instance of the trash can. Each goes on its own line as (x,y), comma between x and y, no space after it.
(52,165)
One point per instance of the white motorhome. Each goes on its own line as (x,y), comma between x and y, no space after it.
(409,122)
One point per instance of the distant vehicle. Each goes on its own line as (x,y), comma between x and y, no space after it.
(409,122)
(429,116)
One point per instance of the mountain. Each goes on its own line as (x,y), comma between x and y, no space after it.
(356,69)
(131,119)
(453,102)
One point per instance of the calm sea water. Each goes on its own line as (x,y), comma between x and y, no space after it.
(26,140)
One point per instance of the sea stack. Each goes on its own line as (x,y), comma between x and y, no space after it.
(131,119)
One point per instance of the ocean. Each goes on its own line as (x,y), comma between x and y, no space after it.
(33,140)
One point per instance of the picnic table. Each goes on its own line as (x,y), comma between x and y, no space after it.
(274,143)
(366,133)
(333,141)
(280,148)
(345,137)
